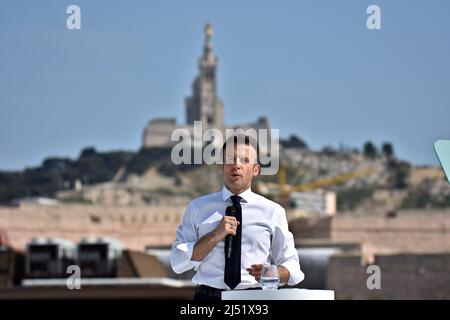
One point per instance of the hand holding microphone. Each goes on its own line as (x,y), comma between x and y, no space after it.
(228,226)
(230,213)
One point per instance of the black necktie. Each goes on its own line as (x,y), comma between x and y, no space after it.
(232,275)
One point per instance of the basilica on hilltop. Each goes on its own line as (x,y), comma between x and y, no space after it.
(203,105)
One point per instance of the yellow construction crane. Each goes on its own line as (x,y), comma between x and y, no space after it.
(320,183)
(286,189)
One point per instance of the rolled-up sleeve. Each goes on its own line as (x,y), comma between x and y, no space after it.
(182,248)
(283,247)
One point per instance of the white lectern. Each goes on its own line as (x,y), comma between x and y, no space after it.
(280,294)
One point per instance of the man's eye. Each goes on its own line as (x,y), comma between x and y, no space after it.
(244,160)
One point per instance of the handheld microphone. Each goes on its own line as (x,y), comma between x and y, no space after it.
(230,211)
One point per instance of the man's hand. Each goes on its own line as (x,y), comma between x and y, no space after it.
(255,271)
(227,226)
(204,245)
(283,273)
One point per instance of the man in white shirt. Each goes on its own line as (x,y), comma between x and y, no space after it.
(262,236)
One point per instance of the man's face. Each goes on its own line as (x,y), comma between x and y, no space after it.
(240,167)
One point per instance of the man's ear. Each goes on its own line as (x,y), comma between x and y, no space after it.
(256,170)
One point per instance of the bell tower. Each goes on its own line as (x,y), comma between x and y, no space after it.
(204,104)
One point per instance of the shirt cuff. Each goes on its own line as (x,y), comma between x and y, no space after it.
(295,273)
(188,249)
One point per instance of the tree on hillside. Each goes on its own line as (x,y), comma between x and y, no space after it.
(370,150)
(387,149)
(294,142)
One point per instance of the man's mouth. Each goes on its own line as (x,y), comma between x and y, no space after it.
(235,175)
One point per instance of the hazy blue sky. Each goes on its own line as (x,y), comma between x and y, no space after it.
(312,67)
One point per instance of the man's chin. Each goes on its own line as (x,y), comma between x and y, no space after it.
(233,183)
(237,185)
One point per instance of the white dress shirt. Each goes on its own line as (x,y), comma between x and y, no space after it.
(265,239)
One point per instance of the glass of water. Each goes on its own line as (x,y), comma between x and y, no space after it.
(269,277)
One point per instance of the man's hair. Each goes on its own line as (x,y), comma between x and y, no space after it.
(238,139)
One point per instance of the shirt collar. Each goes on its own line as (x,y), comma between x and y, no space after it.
(248,195)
